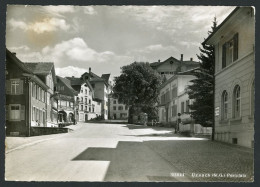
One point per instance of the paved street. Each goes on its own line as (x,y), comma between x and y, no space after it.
(121,152)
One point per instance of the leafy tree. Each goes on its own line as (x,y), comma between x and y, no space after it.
(202,89)
(138,87)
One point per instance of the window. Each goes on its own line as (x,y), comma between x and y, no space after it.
(89,109)
(81,91)
(114,101)
(86,108)
(86,91)
(15,86)
(36,91)
(106,103)
(126,107)
(237,102)
(120,108)
(224,104)
(81,107)
(33,90)
(230,51)
(174,110)
(81,99)
(187,106)
(174,92)
(182,107)
(93,109)
(14,112)
(114,107)
(89,101)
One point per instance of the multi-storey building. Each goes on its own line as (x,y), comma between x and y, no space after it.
(46,72)
(234,41)
(65,95)
(27,101)
(87,105)
(101,87)
(174,104)
(172,66)
(117,110)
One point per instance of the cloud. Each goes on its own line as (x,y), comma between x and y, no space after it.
(70,71)
(46,25)
(58,10)
(20,48)
(89,10)
(77,50)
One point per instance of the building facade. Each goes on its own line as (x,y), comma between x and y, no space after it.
(88,106)
(234,41)
(27,101)
(117,110)
(46,72)
(174,104)
(102,88)
(65,95)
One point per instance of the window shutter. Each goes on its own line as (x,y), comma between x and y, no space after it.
(6,112)
(235,46)
(8,87)
(224,56)
(22,114)
(21,86)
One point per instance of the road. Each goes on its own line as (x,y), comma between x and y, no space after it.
(120,152)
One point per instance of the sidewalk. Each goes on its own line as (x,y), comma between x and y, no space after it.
(14,143)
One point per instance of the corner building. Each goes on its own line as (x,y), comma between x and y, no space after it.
(234,41)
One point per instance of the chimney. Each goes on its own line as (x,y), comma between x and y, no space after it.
(159,60)
(89,70)
(191,59)
(181,57)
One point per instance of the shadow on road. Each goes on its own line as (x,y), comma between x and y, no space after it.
(156,160)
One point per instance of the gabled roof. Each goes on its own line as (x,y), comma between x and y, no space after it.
(27,71)
(217,29)
(74,81)
(43,68)
(156,64)
(188,62)
(66,82)
(20,64)
(78,82)
(105,77)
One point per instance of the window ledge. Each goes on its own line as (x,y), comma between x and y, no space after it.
(252,117)
(236,119)
(223,121)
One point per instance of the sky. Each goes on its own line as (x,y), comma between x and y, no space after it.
(106,38)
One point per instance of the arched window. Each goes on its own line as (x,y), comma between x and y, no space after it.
(224,106)
(237,102)
(253,99)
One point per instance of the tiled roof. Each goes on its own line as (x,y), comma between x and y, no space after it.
(17,61)
(67,83)
(75,81)
(105,77)
(40,67)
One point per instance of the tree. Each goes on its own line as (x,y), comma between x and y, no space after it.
(137,87)
(202,89)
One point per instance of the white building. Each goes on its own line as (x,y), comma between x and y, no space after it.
(117,110)
(234,41)
(174,100)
